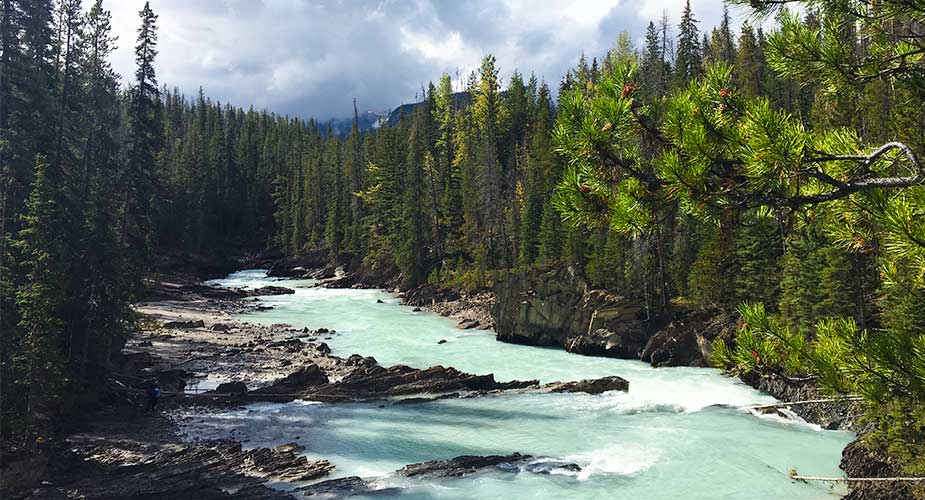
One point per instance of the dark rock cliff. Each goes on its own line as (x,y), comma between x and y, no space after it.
(860,461)
(557,308)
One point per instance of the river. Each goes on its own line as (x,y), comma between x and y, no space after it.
(677,433)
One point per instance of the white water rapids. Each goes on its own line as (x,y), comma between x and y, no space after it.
(677,433)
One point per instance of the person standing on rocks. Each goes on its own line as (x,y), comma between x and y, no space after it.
(153,393)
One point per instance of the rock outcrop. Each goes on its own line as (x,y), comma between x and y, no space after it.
(459,466)
(301,381)
(212,470)
(859,461)
(687,339)
(268,290)
(231,388)
(185,324)
(829,415)
(370,381)
(301,266)
(557,308)
(591,386)
(455,467)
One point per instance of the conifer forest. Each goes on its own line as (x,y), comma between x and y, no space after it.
(763,178)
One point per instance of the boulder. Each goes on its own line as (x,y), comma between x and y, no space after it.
(452,468)
(231,388)
(468,324)
(172,380)
(591,386)
(357,360)
(220,327)
(297,382)
(550,466)
(185,325)
(306,376)
(370,381)
(297,267)
(343,487)
(426,295)
(858,460)
(687,339)
(289,345)
(459,466)
(270,290)
(378,382)
(132,362)
(213,292)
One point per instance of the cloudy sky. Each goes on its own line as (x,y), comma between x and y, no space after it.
(310,58)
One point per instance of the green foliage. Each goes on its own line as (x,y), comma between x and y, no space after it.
(738,151)
(717,180)
(710,276)
(762,345)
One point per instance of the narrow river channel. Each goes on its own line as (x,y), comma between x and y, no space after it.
(677,433)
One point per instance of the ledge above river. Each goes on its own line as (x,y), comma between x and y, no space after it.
(556,307)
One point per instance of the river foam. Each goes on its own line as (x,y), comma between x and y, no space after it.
(678,432)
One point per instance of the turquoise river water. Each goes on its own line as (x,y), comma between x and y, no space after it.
(677,433)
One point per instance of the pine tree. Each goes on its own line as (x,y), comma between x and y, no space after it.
(471,183)
(138,179)
(354,169)
(40,299)
(335,221)
(724,47)
(412,256)
(688,61)
(487,116)
(749,63)
(652,69)
(450,202)
(551,231)
(101,286)
(540,177)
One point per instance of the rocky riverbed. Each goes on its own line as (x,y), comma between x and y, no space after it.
(202,357)
(208,361)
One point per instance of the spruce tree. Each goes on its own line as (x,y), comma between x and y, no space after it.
(541,175)
(652,69)
(450,202)
(40,300)
(749,63)
(487,116)
(688,61)
(138,178)
(724,47)
(412,235)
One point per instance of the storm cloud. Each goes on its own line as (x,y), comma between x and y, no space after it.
(311,58)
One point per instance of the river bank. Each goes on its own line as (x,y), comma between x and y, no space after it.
(206,360)
(199,340)
(529,309)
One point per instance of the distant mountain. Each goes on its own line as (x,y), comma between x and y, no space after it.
(460,100)
(371,120)
(368,120)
